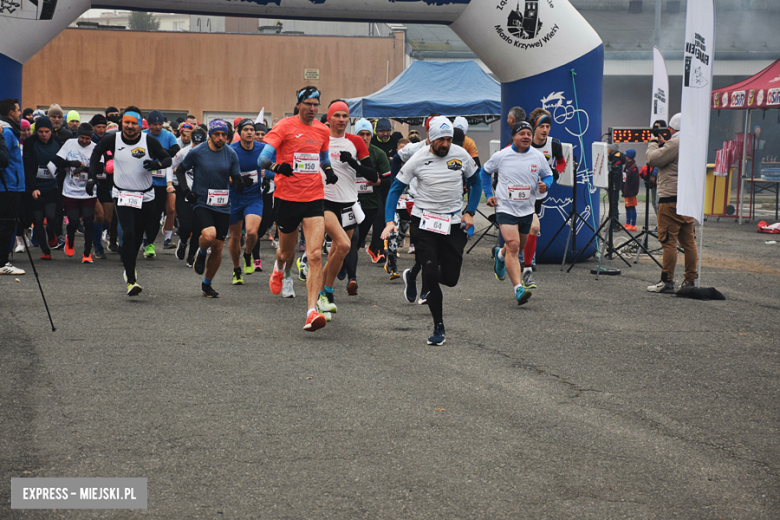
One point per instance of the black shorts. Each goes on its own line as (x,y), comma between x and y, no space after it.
(342,208)
(290,214)
(205,218)
(523,223)
(104,187)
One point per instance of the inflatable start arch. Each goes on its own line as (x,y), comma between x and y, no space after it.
(543,52)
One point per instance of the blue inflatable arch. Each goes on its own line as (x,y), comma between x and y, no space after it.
(543,52)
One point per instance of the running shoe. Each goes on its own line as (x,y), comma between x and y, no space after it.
(60,243)
(238,276)
(688,283)
(411,249)
(53,242)
(181,250)
(80,228)
(133,289)
(200,263)
(275,243)
(10,269)
(19,247)
(423,299)
(662,287)
(352,287)
(301,246)
(528,279)
(149,252)
(522,295)
(124,275)
(69,249)
(343,273)
(438,335)
(44,256)
(275,282)
(325,302)
(303,268)
(168,244)
(410,286)
(314,321)
(190,261)
(258,265)
(113,247)
(100,253)
(249,266)
(287,287)
(86,258)
(390,267)
(499,267)
(374,256)
(208,291)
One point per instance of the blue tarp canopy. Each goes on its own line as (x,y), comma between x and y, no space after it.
(459,88)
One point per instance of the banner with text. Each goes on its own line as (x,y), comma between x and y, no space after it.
(695,107)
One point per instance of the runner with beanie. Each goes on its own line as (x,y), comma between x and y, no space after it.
(40,154)
(269,209)
(135,156)
(436,231)
(73,120)
(214,167)
(104,209)
(164,196)
(78,192)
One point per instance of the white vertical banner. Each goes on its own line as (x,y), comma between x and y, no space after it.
(660,102)
(695,105)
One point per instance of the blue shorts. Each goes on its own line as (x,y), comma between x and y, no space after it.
(523,223)
(240,208)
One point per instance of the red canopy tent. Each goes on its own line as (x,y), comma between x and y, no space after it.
(759,92)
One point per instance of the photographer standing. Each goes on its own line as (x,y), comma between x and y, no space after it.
(617,161)
(672,228)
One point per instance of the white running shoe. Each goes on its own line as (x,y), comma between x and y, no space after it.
(10,269)
(19,247)
(287,287)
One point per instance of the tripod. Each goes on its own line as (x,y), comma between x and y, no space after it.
(492,220)
(646,231)
(571,221)
(608,246)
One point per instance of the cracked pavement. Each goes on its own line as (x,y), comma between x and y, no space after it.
(596,400)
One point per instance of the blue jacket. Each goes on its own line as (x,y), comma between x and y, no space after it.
(14,174)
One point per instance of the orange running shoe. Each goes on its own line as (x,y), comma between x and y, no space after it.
(314,321)
(86,258)
(275,283)
(352,287)
(69,249)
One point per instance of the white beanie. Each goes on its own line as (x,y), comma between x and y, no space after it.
(460,122)
(675,121)
(439,127)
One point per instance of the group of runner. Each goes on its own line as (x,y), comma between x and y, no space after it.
(305,176)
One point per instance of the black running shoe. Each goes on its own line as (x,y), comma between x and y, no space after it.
(181,249)
(208,291)
(200,263)
(410,286)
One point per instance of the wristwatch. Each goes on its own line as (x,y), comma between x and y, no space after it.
(468,212)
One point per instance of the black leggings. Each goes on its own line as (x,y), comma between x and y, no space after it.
(133,222)
(351,260)
(88,216)
(45,207)
(269,217)
(153,226)
(186,225)
(441,257)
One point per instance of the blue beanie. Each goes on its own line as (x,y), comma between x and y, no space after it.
(217,125)
(631,153)
(363,124)
(155,117)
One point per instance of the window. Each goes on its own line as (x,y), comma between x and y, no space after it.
(178,26)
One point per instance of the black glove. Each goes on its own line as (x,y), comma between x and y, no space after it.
(248,182)
(330,175)
(189,196)
(266,186)
(90,187)
(83,169)
(345,156)
(73,164)
(238,183)
(152,165)
(282,169)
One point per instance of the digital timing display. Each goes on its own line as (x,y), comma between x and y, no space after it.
(636,135)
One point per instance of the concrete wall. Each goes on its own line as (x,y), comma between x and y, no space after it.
(199,73)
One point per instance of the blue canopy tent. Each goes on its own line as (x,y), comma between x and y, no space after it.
(458,88)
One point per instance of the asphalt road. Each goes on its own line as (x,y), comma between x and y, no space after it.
(596,400)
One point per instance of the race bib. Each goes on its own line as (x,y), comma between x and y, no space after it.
(160,174)
(402,200)
(519,192)
(252,175)
(347,217)
(218,197)
(130,199)
(44,173)
(306,163)
(81,176)
(435,222)
(363,187)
